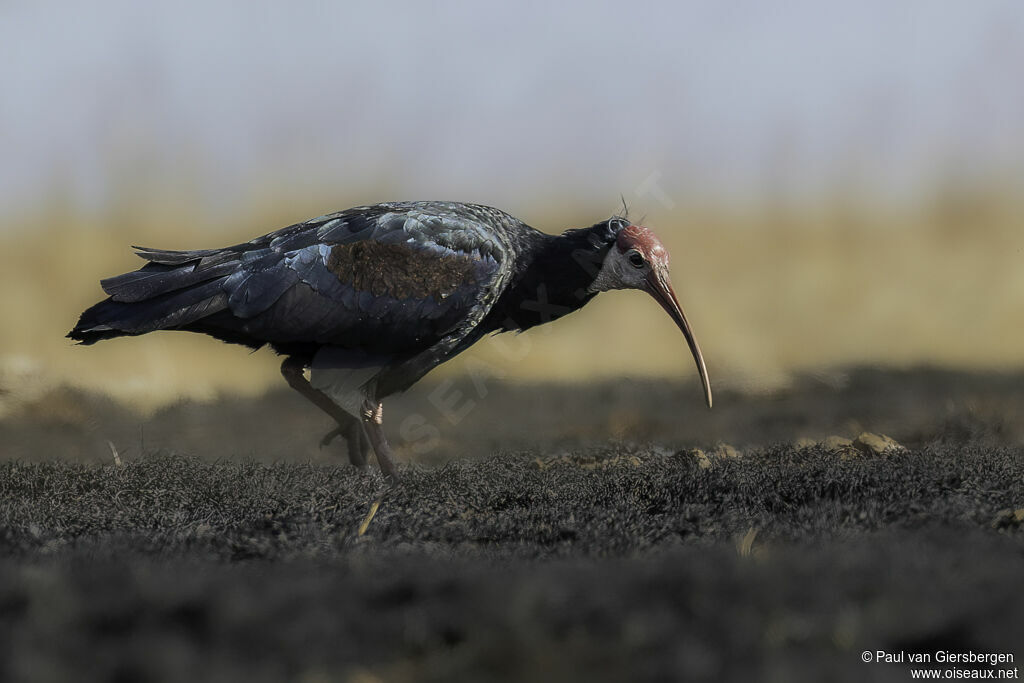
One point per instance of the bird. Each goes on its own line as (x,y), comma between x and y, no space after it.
(370,299)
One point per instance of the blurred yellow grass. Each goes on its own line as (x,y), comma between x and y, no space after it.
(769,291)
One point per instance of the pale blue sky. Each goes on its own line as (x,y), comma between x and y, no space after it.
(512,104)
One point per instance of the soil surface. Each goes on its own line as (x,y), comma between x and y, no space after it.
(609,531)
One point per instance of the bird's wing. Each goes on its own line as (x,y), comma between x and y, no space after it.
(392,279)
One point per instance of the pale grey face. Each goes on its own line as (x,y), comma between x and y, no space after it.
(627,269)
(637,257)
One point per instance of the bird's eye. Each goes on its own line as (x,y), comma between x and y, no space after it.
(636,258)
(617,223)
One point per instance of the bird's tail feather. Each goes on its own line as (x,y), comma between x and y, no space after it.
(155,297)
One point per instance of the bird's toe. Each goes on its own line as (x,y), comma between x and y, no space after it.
(330,436)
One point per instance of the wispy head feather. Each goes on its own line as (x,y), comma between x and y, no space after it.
(624,214)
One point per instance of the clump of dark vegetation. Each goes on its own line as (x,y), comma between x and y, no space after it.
(592,558)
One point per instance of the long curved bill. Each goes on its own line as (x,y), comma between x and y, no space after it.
(660,288)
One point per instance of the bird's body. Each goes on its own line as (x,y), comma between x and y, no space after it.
(374,297)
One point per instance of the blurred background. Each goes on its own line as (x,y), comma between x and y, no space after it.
(837,185)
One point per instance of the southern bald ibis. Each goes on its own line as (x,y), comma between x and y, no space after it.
(372,298)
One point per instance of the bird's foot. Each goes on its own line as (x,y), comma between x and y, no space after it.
(355,440)
(392,477)
(330,436)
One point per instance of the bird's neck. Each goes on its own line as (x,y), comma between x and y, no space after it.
(552,277)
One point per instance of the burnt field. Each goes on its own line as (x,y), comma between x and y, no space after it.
(555,533)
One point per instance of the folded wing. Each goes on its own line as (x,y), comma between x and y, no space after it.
(391,279)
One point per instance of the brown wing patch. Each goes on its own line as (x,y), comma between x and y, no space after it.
(398,271)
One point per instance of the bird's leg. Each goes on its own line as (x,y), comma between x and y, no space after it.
(293,370)
(373,417)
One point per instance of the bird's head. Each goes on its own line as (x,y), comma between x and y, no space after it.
(638,260)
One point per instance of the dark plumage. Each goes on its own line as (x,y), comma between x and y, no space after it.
(374,297)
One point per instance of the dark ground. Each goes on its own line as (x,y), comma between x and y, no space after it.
(556,533)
